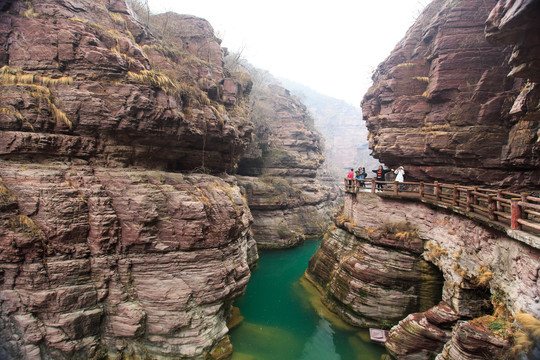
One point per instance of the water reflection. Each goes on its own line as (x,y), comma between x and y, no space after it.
(321,345)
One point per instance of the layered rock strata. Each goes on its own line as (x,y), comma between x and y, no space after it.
(471,341)
(443,106)
(105,253)
(372,277)
(280,172)
(99,260)
(478,264)
(88,81)
(422,335)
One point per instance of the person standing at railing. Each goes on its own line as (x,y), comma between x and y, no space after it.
(380,175)
(400,176)
(361,175)
(350,177)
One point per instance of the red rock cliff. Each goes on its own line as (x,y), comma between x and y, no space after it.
(104,253)
(279,171)
(443,106)
(83,80)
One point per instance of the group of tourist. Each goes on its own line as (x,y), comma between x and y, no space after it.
(380,175)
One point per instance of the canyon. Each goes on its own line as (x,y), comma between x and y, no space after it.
(456,101)
(124,230)
(140,174)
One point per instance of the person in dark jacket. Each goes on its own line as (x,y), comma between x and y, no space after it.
(361,175)
(380,175)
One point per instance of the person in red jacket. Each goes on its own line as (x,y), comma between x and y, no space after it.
(350,177)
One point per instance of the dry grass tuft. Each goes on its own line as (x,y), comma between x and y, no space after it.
(156,79)
(530,324)
(217,114)
(401,229)
(202,198)
(522,343)
(406,235)
(435,251)
(76,19)
(341,219)
(407,64)
(6,196)
(483,277)
(59,115)
(10,76)
(15,113)
(48,81)
(422,78)
(529,334)
(117,18)
(29,13)
(460,271)
(395,227)
(24,224)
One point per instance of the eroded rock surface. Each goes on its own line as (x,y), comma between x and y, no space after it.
(117,260)
(371,278)
(471,341)
(422,335)
(89,81)
(103,252)
(362,268)
(280,172)
(443,106)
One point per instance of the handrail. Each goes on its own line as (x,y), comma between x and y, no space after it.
(513,210)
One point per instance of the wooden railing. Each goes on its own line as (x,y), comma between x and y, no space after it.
(517,211)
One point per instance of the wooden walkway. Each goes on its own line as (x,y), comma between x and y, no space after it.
(500,208)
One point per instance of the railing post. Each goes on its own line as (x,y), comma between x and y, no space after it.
(346,185)
(524,199)
(475,198)
(456,195)
(396,188)
(421,189)
(469,200)
(515,214)
(373,185)
(491,207)
(499,204)
(437,191)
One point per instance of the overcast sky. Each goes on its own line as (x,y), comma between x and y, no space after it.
(330,46)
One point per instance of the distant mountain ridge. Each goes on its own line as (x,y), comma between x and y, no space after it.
(342,127)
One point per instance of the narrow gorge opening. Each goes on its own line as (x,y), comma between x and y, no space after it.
(285,319)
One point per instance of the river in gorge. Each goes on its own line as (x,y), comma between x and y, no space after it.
(285,320)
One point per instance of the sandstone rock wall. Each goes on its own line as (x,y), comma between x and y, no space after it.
(288,200)
(100,260)
(80,79)
(443,106)
(363,274)
(369,284)
(103,251)
(455,104)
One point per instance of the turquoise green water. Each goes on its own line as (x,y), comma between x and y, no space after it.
(285,321)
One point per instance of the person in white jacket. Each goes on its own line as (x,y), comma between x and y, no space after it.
(400,176)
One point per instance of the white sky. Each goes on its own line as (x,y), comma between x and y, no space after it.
(330,46)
